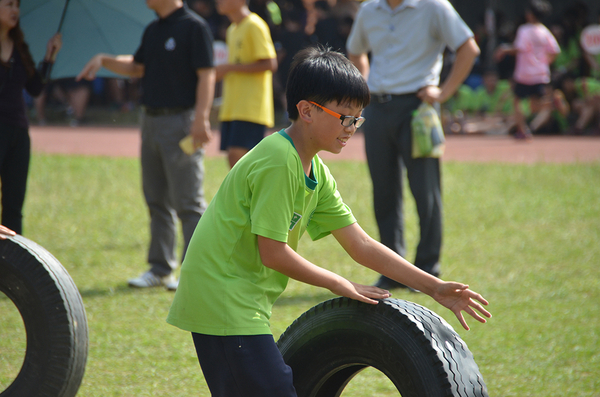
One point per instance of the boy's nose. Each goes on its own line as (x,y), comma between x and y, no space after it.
(351,129)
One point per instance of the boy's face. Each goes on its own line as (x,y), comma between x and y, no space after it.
(490,81)
(225,7)
(331,135)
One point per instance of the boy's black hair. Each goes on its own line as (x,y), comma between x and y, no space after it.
(540,9)
(322,75)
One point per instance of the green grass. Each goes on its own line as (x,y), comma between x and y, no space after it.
(526,237)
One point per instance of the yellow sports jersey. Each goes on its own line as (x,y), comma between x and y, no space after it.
(248,96)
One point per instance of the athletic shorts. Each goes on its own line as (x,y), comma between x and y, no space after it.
(525,91)
(241,134)
(241,366)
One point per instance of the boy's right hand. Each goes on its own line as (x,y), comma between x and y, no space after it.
(458,298)
(364,293)
(5,232)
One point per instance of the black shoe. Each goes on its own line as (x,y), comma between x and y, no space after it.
(389,284)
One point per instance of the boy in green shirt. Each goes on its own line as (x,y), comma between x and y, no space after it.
(243,250)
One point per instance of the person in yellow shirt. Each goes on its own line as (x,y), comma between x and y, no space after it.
(247,108)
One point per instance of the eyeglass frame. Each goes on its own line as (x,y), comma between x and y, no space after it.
(360,120)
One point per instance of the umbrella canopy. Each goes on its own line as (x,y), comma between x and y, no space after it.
(87,26)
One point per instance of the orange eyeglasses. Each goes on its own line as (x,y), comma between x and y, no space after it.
(347,121)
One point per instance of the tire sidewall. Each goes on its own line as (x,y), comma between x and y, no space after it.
(54,318)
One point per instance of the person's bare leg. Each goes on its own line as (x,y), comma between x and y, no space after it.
(560,103)
(585,117)
(40,108)
(597,106)
(540,119)
(78,99)
(522,129)
(544,107)
(234,153)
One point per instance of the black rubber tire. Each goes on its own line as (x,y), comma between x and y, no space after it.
(54,319)
(415,348)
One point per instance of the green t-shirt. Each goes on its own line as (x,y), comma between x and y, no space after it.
(479,100)
(566,58)
(595,72)
(587,87)
(224,289)
(463,100)
(501,100)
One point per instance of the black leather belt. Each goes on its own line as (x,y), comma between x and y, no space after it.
(164,111)
(384,97)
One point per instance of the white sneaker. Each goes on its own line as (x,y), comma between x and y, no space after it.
(150,279)
(172,286)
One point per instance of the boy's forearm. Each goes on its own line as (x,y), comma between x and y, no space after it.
(385,261)
(282,258)
(376,256)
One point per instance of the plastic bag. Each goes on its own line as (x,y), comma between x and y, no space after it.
(427,134)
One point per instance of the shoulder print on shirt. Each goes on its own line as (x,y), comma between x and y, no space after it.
(295,219)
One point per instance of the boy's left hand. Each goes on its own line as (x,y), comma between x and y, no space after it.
(5,232)
(371,291)
(458,297)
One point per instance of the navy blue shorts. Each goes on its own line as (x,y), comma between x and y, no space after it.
(241,366)
(525,91)
(241,134)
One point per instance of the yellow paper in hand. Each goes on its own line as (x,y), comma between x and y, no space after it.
(187,145)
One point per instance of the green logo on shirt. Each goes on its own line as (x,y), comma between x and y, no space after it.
(295,220)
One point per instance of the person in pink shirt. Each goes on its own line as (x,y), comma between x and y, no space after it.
(535,49)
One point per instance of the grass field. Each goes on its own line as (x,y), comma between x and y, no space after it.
(526,237)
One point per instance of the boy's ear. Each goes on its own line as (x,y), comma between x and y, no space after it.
(305,111)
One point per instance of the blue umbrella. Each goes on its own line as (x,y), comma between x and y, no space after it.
(87,26)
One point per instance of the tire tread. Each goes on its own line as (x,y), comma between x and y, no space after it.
(447,355)
(57,318)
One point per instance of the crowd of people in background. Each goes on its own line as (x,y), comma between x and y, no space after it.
(484,104)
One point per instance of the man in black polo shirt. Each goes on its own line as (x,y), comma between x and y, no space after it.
(175,62)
